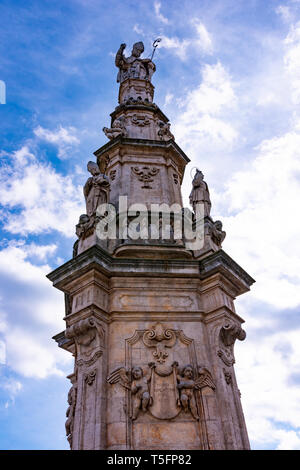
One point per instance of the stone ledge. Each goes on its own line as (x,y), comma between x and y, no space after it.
(141,143)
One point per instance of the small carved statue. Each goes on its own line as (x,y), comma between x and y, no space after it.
(200,193)
(70,413)
(186,385)
(217,234)
(164,132)
(133,66)
(139,386)
(140,391)
(117,128)
(96,189)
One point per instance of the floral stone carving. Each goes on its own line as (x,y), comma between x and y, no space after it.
(160,339)
(145,174)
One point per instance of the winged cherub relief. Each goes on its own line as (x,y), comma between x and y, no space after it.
(187,385)
(137,383)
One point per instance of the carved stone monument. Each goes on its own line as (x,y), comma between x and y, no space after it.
(150,320)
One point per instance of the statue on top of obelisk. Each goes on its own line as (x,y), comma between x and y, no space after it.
(134,66)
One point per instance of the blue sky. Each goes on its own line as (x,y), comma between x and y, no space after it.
(228,78)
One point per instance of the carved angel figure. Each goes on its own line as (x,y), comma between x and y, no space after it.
(139,386)
(164,132)
(117,128)
(186,385)
(133,66)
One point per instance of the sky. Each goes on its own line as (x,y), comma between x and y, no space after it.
(228,78)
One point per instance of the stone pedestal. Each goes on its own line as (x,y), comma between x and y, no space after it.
(127,314)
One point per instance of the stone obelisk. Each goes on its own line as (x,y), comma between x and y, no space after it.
(150,320)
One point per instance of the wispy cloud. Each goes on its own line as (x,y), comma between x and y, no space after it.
(36,197)
(63,138)
(159,15)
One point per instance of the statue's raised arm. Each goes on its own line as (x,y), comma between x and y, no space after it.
(133,66)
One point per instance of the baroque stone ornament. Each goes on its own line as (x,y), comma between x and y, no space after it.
(228,334)
(145,174)
(140,120)
(90,377)
(159,338)
(133,66)
(88,335)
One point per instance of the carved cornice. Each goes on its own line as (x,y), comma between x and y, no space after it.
(170,144)
(220,262)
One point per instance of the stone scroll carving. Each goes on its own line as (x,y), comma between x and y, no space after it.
(145,174)
(228,334)
(88,335)
(140,120)
(160,339)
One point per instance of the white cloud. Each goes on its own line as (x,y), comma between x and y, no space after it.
(32,311)
(292,60)
(265,199)
(201,42)
(12,387)
(285,12)
(201,121)
(2,352)
(159,15)
(204,40)
(63,138)
(41,199)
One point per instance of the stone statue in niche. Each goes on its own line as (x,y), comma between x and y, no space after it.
(200,193)
(164,132)
(117,128)
(133,66)
(138,384)
(96,189)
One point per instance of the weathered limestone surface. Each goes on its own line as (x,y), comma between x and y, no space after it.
(151,323)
